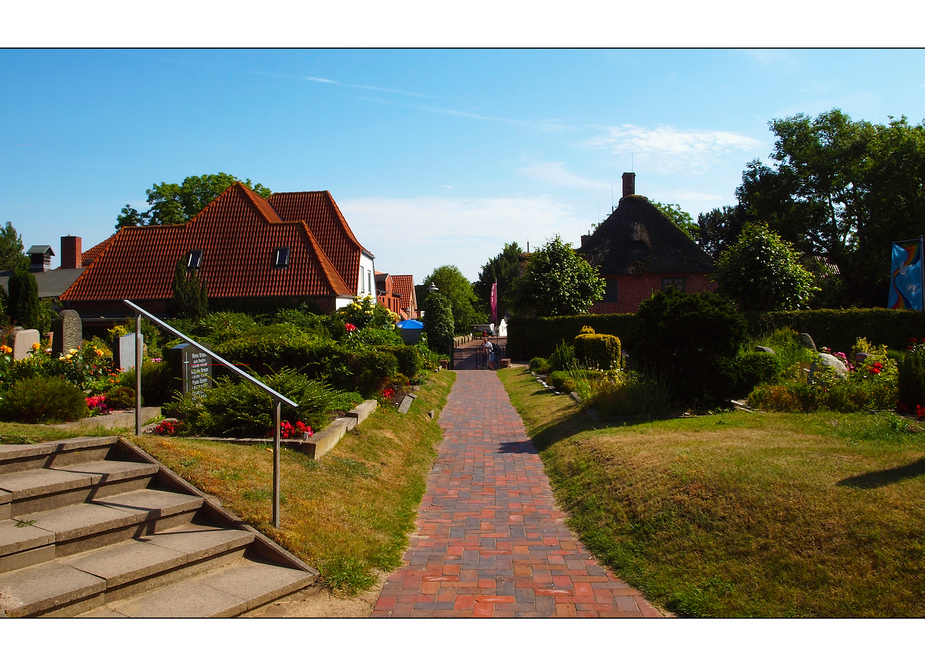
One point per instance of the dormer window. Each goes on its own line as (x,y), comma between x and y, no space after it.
(193,260)
(281,258)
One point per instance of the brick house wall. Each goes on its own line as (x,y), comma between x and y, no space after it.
(631,290)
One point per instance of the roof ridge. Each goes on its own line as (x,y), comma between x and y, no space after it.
(327,267)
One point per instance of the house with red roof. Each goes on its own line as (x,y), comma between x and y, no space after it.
(291,248)
(396,292)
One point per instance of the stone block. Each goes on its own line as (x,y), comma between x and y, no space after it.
(23,341)
(322,442)
(125,351)
(67,333)
(363,411)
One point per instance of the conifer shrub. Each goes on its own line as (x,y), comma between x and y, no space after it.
(45,400)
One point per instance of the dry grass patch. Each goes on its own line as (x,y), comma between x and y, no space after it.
(347,514)
(732,515)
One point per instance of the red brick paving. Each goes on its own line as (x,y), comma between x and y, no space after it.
(490,541)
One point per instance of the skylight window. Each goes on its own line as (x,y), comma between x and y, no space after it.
(193,260)
(281,258)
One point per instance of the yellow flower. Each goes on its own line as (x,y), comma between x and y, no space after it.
(36,346)
(99,353)
(6,349)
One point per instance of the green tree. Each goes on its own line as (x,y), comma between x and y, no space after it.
(24,306)
(190,295)
(453,285)
(844,189)
(12,253)
(557,281)
(718,229)
(503,268)
(175,204)
(763,272)
(438,323)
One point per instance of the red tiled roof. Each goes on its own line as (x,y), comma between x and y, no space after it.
(324,220)
(89,256)
(404,285)
(237,233)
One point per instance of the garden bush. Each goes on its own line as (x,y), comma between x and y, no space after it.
(240,409)
(911,378)
(685,335)
(539,365)
(409,359)
(562,358)
(597,350)
(562,381)
(158,384)
(44,399)
(121,397)
(629,395)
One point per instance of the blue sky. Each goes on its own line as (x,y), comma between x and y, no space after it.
(434,156)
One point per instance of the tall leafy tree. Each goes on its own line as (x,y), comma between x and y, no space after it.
(842,188)
(438,323)
(453,285)
(718,229)
(12,253)
(503,268)
(557,281)
(763,272)
(175,204)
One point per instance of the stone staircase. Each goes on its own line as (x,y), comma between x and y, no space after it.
(95,527)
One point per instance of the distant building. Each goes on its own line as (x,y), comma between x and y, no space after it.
(641,252)
(291,248)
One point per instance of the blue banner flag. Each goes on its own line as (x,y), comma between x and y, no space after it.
(906,280)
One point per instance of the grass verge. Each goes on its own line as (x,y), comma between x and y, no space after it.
(743,514)
(346,514)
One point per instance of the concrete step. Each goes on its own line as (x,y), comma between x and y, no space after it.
(15,458)
(228,591)
(41,536)
(125,569)
(40,489)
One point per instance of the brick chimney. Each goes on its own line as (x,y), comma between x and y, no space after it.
(71,253)
(629,183)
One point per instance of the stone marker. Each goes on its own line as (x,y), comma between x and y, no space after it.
(192,367)
(827,360)
(805,340)
(67,333)
(125,351)
(23,340)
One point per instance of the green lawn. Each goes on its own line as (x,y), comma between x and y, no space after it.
(743,514)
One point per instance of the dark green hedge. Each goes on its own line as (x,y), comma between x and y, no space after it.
(837,329)
(529,337)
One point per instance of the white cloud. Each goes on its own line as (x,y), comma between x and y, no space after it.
(667,149)
(417,235)
(555,174)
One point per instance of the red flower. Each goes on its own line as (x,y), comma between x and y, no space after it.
(349,327)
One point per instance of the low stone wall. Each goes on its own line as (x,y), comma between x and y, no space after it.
(320,443)
(120,420)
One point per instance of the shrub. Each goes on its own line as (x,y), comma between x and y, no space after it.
(158,385)
(241,409)
(562,358)
(42,399)
(539,365)
(598,350)
(561,381)
(368,372)
(911,377)
(409,359)
(630,395)
(686,335)
(121,397)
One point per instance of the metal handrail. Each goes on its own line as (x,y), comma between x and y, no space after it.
(278,398)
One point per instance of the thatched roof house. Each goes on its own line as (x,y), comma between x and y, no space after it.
(640,252)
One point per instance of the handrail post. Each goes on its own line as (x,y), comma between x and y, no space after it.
(277,422)
(139,350)
(279,398)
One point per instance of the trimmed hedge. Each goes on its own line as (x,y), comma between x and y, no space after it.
(839,329)
(539,336)
(598,350)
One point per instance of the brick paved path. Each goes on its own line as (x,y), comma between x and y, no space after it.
(490,541)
